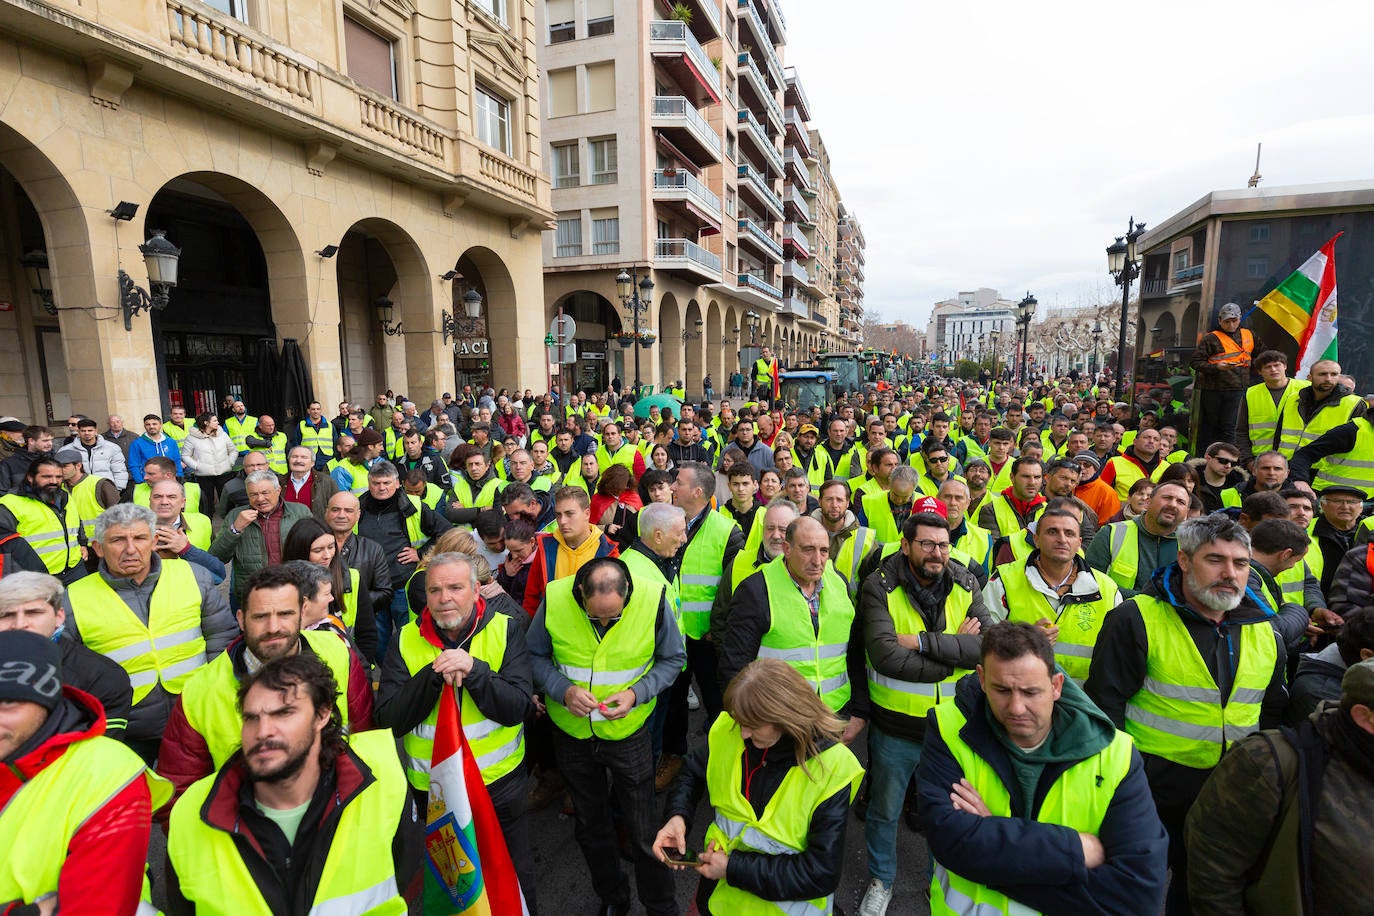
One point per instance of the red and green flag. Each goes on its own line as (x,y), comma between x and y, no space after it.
(468,870)
(1304,305)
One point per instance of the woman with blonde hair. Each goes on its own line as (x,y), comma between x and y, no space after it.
(454,540)
(780,782)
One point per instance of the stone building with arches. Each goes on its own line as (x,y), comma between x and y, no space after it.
(313,162)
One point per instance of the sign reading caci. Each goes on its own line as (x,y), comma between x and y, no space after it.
(472,348)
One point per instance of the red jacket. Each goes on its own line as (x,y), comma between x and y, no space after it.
(103,872)
(184,755)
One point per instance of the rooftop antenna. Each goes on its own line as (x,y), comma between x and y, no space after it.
(1255,178)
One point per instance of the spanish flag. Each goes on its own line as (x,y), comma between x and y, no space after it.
(1304,305)
(468,870)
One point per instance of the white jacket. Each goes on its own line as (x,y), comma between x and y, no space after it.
(104,459)
(208,456)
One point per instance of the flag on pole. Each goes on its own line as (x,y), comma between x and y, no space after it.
(468,870)
(1304,305)
(777,382)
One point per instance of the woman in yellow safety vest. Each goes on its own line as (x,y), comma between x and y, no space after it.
(780,784)
(316,544)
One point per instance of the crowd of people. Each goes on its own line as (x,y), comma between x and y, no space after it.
(1100,666)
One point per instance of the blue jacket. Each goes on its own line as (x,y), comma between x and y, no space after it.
(143,448)
(1041,865)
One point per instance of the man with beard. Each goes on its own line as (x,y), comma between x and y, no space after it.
(1317,409)
(1188,668)
(459,641)
(850,543)
(1131,551)
(977,474)
(38,443)
(47,517)
(298,818)
(203,730)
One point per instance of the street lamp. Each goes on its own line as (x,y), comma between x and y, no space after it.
(994,336)
(1097,340)
(753,318)
(1123,264)
(692,335)
(1025,312)
(636,300)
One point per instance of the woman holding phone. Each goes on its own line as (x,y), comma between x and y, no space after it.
(780,783)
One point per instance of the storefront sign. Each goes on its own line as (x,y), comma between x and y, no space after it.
(471,348)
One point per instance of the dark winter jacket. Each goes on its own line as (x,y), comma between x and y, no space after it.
(1039,864)
(102,678)
(1119,660)
(374,578)
(1352,588)
(384,522)
(814,872)
(1221,378)
(1318,679)
(940,653)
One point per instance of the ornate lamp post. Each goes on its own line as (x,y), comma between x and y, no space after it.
(636,300)
(1123,263)
(1025,312)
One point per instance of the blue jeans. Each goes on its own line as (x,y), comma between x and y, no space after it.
(389,619)
(891,763)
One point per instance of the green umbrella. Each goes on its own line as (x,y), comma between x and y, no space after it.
(660,401)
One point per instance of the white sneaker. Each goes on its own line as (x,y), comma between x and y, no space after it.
(692,702)
(876,899)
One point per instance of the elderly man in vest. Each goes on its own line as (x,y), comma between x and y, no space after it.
(921,616)
(603,649)
(1032,799)
(236,843)
(1132,550)
(1188,668)
(1221,365)
(253,538)
(461,643)
(161,619)
(75,806)
(203,730)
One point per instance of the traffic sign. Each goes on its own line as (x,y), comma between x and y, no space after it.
(563,328)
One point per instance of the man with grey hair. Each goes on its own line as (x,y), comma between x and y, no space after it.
(886,511)
(1188,667)
(161,619)
(33,601)
(253,538)
(460,642)
(304,485)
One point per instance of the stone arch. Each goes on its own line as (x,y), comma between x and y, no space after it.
(484,270)
(715,347)
(1164,333)
(1188,333)
(694,348)
(669,342)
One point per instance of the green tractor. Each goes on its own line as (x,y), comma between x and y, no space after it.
(802,389)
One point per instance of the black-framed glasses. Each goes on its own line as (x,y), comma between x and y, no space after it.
(930,546)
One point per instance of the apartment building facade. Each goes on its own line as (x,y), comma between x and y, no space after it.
(962,327)
(680,152)
(357,177)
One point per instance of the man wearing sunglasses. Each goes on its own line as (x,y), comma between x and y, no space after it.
(1220,473)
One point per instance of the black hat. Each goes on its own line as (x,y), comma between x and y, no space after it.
(30,669)
(1335,488)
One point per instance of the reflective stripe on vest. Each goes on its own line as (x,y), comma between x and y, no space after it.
(1263,413)
(169,649)
(56,539)
(1178,712)
(606,665)
(817,652)
(1125,543)
(1079,622)
(913,698)
(1078,799)
(701,572)
(275,452)
(484,499)
(319,441)
(1233,355)
(87,505)
(498,749)
(851,556)
(238,430)
(210,699)
(1294,433)
(354,879)
(1353,468)
(784,826)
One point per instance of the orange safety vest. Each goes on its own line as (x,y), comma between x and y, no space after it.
(1232,355)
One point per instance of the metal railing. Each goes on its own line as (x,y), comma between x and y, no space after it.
(793,195)
(758,233)
(677,108)
(682,180)
(686,250)
(1188,273)
(749,69)
(747,119)
(794,270)
(794,232)
(749,173)
(673,31)
(1154,287)
(758,284)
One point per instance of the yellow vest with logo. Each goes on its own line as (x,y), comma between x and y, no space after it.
(915,698)
(1264,414)
(603,666)
(239,430)
(1178,713)
(169,649)
(210,699)
(498,749)
(1079,800)
(786,821)
(55,539)
(356,878)
(40,820)
(817,653)
(1078,622)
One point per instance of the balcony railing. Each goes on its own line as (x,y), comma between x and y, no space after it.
(757,232)
(758,284)
(682,180)
(795,271)
(1154,287)
(224,40)
(671,33)
(686,250)
(794,232)
(750,71)
(793,195)
(794,83)
(1188,274)
(386,117)
(677,108)
(747,119)
(819,318)
(760,186)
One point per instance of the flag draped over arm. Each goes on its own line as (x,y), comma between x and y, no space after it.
(468,870)
(1304,305)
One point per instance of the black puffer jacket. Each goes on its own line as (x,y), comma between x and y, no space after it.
(813,873)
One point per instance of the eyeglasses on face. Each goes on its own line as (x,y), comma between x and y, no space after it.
(931,546)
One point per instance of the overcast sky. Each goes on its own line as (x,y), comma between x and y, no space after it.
(989,143)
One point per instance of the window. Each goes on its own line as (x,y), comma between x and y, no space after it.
(236,8)
(492,120)
(559,15)
(371,58)
(1181,260)
(562,92)
(600,17)
(1259,233)
(601,86)
(567,167)
(1256,268)
(603,154)
(664,231)
(568,237)
(606,231)
(496,9)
